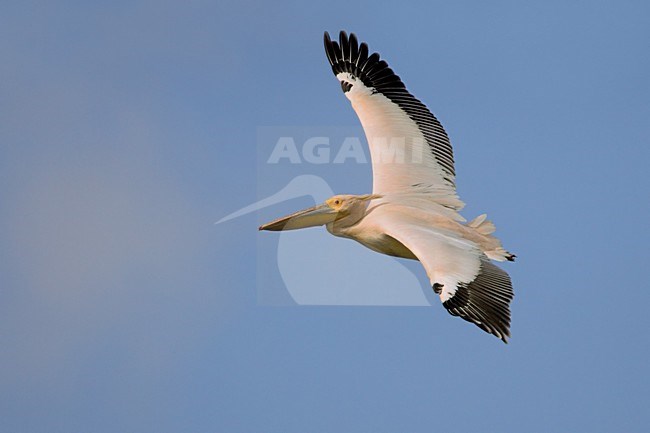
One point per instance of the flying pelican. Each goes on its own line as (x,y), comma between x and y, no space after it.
(413,211)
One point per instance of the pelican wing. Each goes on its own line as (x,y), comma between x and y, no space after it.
(468,284)
(408,145)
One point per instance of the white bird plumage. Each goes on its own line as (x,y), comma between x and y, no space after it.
(413,211)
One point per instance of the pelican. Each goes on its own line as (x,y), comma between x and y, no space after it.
(413,210)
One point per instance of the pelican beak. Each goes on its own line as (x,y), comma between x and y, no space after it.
(314,216)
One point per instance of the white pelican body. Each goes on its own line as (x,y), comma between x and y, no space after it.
(413,211)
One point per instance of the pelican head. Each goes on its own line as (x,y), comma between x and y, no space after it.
(339,210)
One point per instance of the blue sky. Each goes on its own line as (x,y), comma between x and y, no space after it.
(129,128)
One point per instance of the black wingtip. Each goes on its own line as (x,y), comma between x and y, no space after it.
(485,301)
